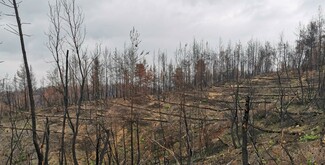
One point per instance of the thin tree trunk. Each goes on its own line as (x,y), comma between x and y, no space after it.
(162,128)
(115,145)
(131,131)
(301,84)
(244,132)
(104,150)
(66,104)
(29,84)
(187,131)
(180,139)
(138,142)
(124,146)
(76,130)
(98,143)
(47,142)
(234,123)
(281,95)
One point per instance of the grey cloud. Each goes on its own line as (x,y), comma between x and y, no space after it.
(162,24)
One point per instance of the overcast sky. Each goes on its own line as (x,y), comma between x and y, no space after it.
(162,24)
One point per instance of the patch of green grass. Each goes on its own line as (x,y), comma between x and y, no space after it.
(264,161)
(310,162)
(309,137)
(92,162)
(204,101)
(167,106)
(271,142)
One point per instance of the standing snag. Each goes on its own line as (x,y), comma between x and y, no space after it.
(244,132)
(13,4)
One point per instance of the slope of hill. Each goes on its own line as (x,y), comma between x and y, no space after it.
(193,126)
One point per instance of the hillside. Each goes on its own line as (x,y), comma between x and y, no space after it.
(187,126)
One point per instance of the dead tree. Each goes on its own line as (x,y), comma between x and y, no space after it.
(299,54)
(13,4)
(74,18)
(244,132)
(234,118)
(187,130)
(55,45)
(127,64)
(46,141)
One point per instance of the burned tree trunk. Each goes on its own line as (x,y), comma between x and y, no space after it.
(13,4)
(244,132)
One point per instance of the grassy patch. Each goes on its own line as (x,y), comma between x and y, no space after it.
(167,106)
(309,137)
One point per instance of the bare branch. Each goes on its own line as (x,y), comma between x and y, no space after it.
(7,3)
(11,30)
(170,151)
